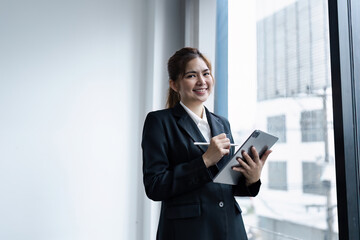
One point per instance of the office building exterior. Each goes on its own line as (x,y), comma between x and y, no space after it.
(294,97)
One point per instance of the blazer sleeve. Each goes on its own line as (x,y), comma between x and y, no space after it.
(163,180)
(246,191)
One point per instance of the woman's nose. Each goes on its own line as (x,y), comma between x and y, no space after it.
(201,80)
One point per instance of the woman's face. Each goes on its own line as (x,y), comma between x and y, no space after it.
(196,85)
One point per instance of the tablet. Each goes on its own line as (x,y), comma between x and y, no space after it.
(260,140)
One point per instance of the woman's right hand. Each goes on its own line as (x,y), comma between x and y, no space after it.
(219,146)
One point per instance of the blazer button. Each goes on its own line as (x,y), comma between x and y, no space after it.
(221,204)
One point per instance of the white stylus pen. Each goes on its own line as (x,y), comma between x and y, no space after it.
(206,143)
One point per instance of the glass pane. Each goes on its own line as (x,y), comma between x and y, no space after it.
(279,82)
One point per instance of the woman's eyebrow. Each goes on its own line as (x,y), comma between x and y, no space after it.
(192,71)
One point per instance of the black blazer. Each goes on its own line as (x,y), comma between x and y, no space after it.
(193,207)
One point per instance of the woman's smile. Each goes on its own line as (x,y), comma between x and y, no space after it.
(200,91)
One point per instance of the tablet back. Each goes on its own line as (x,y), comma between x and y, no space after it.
(260,140)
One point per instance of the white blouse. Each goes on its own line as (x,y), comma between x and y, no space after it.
(201,123)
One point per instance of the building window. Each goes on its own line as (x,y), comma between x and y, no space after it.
(276,125)
(311,172)
(286,51)
(278,175)
(312,124)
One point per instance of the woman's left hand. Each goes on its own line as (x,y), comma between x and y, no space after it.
(251,168)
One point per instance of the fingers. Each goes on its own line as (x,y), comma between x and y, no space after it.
(251,167)
(265,155)
(238,169)
(249,161)
(224,146)
(243,164)
(243,167)
(225,151)
(255,154)
(221,141)
(219,146)
(256,157)
(220,136)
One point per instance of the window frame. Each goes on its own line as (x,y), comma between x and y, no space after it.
(344,29)
(221,62)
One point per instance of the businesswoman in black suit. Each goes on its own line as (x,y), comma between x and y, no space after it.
(179,173)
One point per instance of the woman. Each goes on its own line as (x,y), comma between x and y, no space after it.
(179,173)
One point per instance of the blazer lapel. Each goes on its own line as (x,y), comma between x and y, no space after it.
(186,123)
(216,128)
(215,125)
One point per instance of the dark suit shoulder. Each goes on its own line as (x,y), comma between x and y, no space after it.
(177,111)
(219,119)
(223,119)
(159,118)
(160,114)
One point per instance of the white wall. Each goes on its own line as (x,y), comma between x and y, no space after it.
(76,81)
(71,80)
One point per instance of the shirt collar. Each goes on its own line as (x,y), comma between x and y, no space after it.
(193,116)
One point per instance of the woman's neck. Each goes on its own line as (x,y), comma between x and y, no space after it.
(196,108)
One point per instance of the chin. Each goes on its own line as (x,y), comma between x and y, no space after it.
(203,99)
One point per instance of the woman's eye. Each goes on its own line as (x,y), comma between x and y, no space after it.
(190,76)
(206,74)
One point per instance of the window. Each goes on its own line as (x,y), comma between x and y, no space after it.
(291,38)
(279,81)
(312,126)
(312,175)
(276,125)
(277,175)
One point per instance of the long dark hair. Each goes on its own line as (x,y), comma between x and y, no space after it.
(176,70)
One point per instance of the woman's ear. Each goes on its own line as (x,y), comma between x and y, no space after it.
(173,85)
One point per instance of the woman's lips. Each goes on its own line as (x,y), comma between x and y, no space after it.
(200,90)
